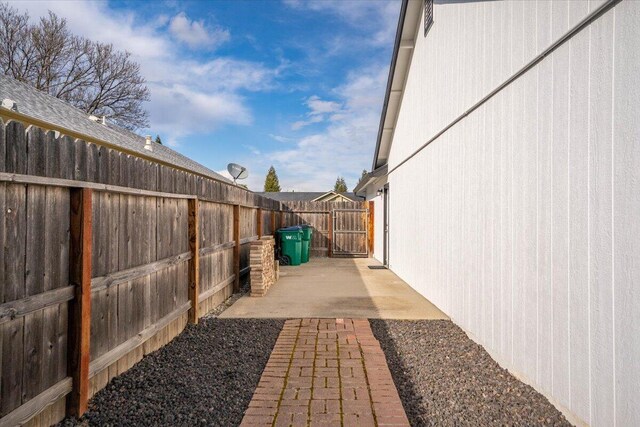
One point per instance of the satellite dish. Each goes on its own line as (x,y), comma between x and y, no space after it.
(237,172)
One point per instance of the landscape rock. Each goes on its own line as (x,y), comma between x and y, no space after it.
(446,379)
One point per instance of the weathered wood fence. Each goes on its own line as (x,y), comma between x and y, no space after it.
(106,257)
(340,228)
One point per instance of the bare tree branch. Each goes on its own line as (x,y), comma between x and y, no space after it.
(92,76)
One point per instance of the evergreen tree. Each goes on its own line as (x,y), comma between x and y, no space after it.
(158,140)
(271,183)
(364,173)
(340,186)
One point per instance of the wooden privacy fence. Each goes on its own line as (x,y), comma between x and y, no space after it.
(340,228)
(106,257)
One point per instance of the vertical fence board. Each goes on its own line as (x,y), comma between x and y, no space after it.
(151,288)
(34,283)
(194,262)
(206,220)
(236,248)
(12,365)
(140,241)
(3,188)
(14,214)
(36,152)
(91,159)
(36,242)
(98,268)
(330,234)
(3,147)
(51,155)
(181,243)
(102,166)
(67,157)
(80,163)
(112,262)
(16,149)
(125,297)
(56,275)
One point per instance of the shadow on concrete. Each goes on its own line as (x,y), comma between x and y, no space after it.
(337,288)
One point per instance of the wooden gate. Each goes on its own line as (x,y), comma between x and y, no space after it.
(350,232)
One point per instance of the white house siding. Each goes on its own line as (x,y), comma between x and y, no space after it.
(522,221)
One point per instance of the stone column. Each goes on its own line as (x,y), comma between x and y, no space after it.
(263,269)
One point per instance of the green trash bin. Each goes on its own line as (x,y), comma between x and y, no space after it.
(307,231)
(291,245)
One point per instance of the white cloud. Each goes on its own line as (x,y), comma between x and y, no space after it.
(233,74)
(358,14)
(253,150)
(343,148)
(319,111)
(187,96)
(195,34)
(302,123)
(281,138)
(178,111)
(319,106)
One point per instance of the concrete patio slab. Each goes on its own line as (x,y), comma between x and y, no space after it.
(337,288)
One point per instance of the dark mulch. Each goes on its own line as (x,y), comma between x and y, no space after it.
(205,376)
(444,378)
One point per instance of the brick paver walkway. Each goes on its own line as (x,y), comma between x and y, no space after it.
(326,372)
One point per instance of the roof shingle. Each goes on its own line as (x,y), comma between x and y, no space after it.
(44,107)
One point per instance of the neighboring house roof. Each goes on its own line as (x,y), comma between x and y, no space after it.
(408,30)
(310,196)
(46,108)
(333,196)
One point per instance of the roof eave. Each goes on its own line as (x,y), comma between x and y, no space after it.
(370,178)
(392,68)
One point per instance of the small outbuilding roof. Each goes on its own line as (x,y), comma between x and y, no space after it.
(46,108)
(307,196)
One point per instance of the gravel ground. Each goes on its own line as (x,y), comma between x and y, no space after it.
(205,376)
(226,304)
(446,379)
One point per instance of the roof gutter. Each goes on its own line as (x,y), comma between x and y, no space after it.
(369,178)
(392,69)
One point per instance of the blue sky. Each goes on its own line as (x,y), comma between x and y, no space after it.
(295,84)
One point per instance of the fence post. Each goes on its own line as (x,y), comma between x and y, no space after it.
(259,222)
(236,248)
(80,307)
(194,262)
(281,219)
(371,229)
(330,236)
